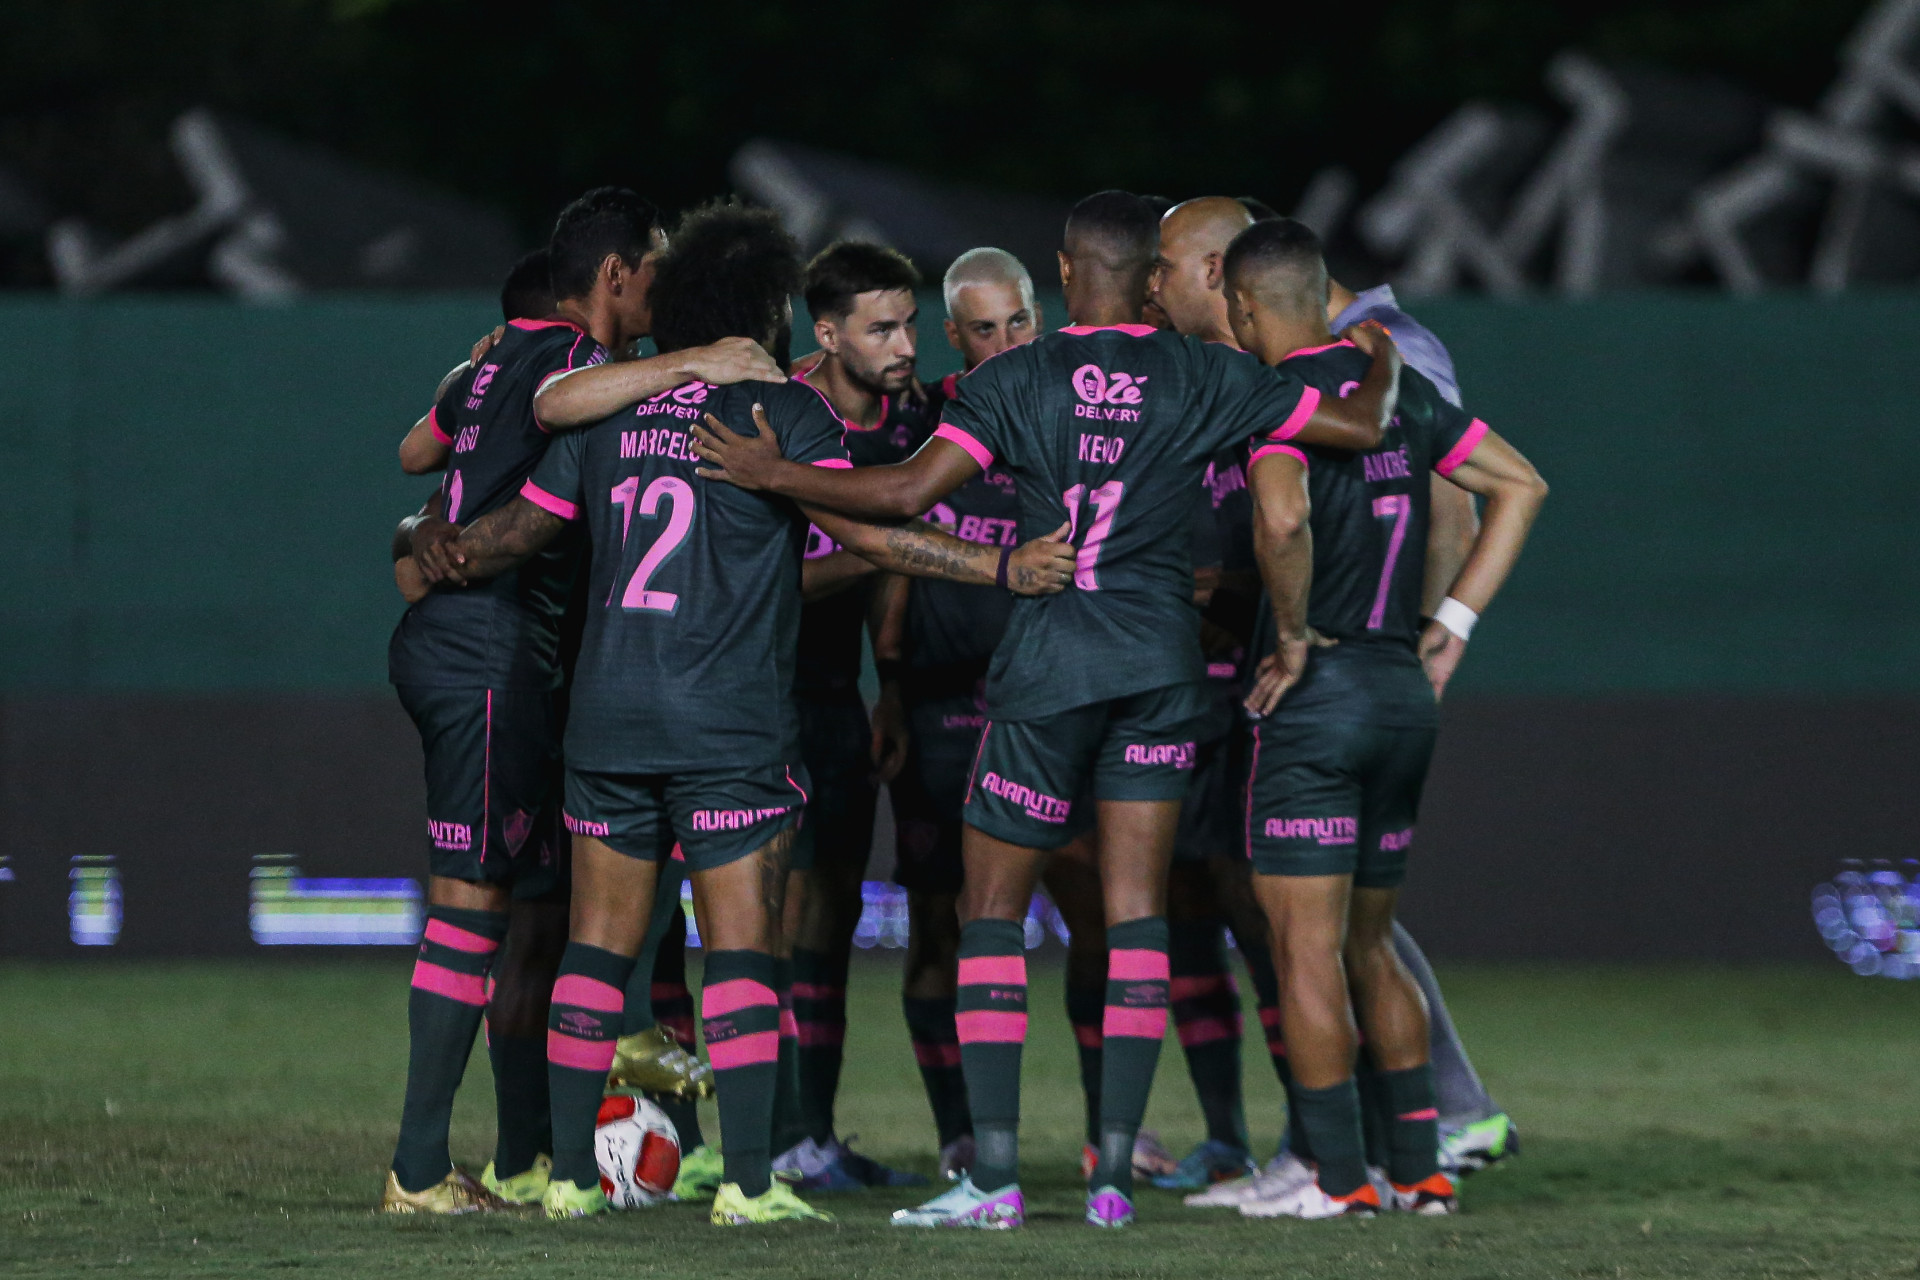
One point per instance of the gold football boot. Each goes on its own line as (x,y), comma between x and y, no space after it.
(652,1061)
(456,1193)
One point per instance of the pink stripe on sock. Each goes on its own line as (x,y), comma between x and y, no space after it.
(1144,1024)
(990,1026)
(1136,965)
(821,1034)
(581,1055)
(1087,1037)
(816,991)
(452,935)
(1429,1113)
(981,970)
(789,1027)
(1188,988)
(582,992)
(936,1055)
(1270,1017)
(1206,1031)
(467,988)
(750,1050)
(718,999)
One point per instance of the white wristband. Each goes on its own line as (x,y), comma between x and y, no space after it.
(1456,618)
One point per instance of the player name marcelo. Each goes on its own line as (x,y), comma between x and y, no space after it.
(1044,807)
(1325,830)
(1178,754)
(659,442)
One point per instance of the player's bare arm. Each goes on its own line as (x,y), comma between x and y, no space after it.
(899,491)
(581,396)
(1513,492)
(829,575)
(1040,567)
(407,576)
(1283,546)
(498,541)
(1452,525)
(1359,421)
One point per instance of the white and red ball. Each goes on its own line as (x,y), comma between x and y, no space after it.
(637,1150)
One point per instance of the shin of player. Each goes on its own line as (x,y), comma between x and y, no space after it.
(1347,692)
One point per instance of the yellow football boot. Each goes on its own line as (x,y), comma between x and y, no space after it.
(652,1061)
(454,1194)
(522,1188)
(731,1208)
(564,1199)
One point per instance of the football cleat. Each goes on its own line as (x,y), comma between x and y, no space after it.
(456,1193)
(1107,1207)
(812,1167)
(957,1157)
(567,1200)
(1432,1197)
(652,1061)
(865,1170)
(1310,1202)
(1285,1173)
(521,1188)
(1151,1159)
(733,1208)
(701,1172)
(968,1206)
(1480,1145)
(1206,1164)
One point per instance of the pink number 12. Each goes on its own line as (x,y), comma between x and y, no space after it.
(679,520)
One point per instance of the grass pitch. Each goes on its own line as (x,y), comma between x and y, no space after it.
(236,1119)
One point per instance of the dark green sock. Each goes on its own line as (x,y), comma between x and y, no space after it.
(741,1013)
(1086,1008)
(1374,1115)
(1413,1124)
(582,1026)
(991,1021)
(1332,1120)
(1206,1015)
(820,1025)
(936,1047)
(443,1013)
(789,1116)
(521,1100)
(1134,1024)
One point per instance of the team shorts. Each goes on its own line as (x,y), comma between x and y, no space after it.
(1213,817)
(493,785)
(1336,798)
(929,792)
(1032,780)
(836,745)
(716,816)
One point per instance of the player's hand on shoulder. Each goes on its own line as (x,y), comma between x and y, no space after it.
(733,360)
(1371,337)
(1043,566)
(486,344)
(434,551)
(1440,654)
(749,461)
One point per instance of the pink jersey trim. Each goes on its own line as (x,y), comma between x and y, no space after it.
(1131,330)
(1297,420)
(754,1049)
(1265,449)
(1206,1031)
(950,385)
(1136,964)
(837,464)
(1314,351)
(975,450)
(582,992)
(1005,970)
(790,782)
(433,425)
(577,1054)
(990,1026)
(530,325)
(734,995)
(547,502)
(452,935)
(467,988)
(1145,1024)
(1476,432)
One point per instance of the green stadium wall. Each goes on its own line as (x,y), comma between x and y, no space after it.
(1706,662)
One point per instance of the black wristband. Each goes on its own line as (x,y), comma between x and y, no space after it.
(1000,575)
(889,669)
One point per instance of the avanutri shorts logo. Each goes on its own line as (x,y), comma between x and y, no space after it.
(1044,807)
(1178,754)
(1396,841)
(583,827)
(1323,830)
(734,819)
(457,836)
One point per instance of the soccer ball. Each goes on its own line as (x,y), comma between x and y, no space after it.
(637,1150)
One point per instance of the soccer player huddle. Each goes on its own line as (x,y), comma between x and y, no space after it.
(1161,603)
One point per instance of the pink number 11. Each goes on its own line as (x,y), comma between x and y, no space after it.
(1106,501)
(1399,506)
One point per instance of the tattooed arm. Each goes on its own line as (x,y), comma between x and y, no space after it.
(499,540)
(917,549)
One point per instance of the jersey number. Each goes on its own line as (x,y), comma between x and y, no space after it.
(1106,501)
(680,496)
(456,489)
(1399,507)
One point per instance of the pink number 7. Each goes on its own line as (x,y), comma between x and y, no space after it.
(1399,506)
(1106,501)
